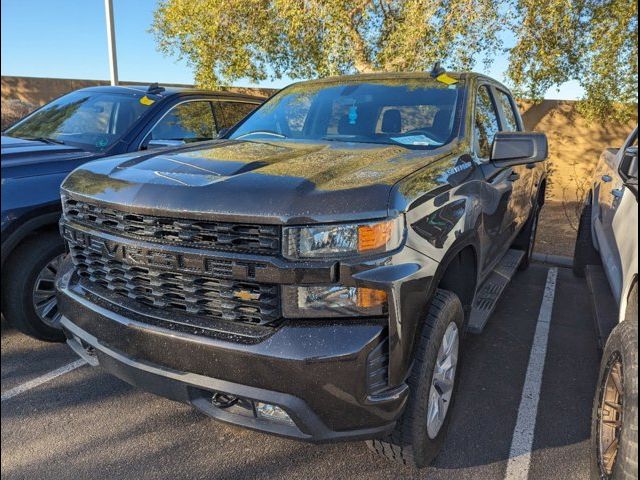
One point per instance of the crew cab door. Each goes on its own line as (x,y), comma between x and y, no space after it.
(616,208)
(501,205)
(522,176)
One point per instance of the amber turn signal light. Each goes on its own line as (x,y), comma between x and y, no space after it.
(368,297)
(372,237)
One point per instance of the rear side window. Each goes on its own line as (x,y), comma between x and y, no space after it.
(510,119)
(231,113)
(486,123)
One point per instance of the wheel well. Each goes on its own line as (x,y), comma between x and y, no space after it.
(460,277)
(45,226)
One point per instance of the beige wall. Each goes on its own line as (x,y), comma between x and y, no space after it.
(574,143)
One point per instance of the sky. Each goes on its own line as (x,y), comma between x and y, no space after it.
(68,39)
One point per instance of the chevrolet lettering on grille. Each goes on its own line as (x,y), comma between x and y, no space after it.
(148,257)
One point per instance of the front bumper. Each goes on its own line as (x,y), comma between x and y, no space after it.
(315,371)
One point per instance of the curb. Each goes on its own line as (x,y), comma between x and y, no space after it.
(558,260)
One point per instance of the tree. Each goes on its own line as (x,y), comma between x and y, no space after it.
(229,39)
(592,41)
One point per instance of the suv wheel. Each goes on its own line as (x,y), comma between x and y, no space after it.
(584,253)
(614,424)
(28,297)
(420,431)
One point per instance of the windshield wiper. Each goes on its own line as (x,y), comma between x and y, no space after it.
(52,141)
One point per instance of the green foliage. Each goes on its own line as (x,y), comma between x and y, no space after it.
(229,39)
(593,41)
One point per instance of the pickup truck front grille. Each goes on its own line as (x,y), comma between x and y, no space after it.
(216,297)
(237,237)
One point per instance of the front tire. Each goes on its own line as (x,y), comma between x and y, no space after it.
(614,424)
(421,430)
(28,293)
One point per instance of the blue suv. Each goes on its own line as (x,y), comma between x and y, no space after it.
(39,152)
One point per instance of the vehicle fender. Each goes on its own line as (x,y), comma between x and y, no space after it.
(412,329)
(27,226)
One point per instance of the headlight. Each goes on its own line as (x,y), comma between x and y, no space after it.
(333,301)
(336,241)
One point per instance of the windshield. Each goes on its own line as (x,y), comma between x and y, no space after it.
(90,120)
(417,113)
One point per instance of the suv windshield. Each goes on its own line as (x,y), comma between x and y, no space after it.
(417,113)
(90,120)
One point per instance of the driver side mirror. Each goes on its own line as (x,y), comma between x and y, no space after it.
(519,148)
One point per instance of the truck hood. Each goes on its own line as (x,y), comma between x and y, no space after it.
(283,182)
(20,157)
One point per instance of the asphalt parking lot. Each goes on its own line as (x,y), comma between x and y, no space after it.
(87,424)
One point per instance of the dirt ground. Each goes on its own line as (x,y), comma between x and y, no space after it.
(574,147)
(556,236)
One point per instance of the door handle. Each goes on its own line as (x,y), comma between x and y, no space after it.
(617,192)
(606,178)
(514,176)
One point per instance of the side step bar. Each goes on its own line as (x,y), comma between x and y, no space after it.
(489,292)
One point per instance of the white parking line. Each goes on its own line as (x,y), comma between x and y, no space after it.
(42,379)
(523,434)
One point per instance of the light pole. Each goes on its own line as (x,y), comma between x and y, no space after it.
(111,42)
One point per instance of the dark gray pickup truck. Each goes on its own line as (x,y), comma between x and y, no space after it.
(312,273)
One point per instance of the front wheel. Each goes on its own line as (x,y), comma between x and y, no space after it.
(420,431)
(28,294)
(614,424)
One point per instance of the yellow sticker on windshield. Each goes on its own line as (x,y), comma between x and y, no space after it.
(446,79)
(146,101)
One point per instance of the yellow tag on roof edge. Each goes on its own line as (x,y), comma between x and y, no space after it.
(446,79)
(146,101)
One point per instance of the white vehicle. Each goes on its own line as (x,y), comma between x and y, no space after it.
(608,236)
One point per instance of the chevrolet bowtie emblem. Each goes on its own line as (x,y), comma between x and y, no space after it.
(246,295)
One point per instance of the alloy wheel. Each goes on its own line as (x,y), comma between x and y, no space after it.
(443,380)
(610,416)
(44,293)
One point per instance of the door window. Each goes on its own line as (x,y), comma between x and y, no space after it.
(189,122)
(486,122)
(510,116)
(232,112)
